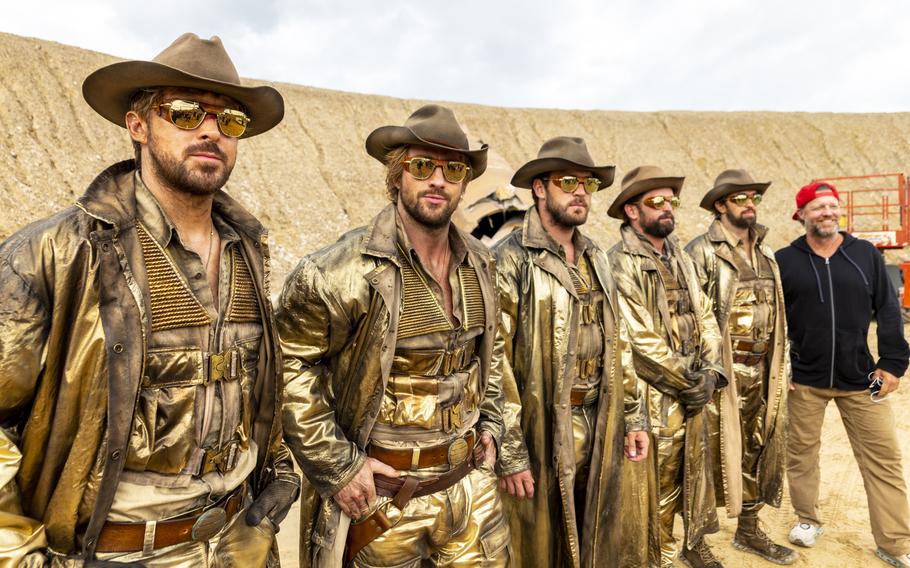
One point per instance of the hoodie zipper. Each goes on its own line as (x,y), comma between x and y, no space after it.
(833,328)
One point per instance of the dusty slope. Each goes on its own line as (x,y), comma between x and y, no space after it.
(310,179)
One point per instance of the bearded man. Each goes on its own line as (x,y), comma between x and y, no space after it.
(574,405)
(139,367)
(394,405)
(677,352)
(738,273)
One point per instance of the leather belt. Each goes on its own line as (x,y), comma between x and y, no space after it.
(131,537)
(748,359)
(757,347)
(584,397)
(401,490)
(452,454)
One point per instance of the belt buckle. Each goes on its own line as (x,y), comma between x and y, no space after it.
(458,452)
(759,347)
(591,395)
(209,524)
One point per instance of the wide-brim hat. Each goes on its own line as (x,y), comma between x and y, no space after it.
(729,182)
(642,180)
(433,126)
(562,153)
(189,62)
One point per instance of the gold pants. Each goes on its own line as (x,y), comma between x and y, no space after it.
(750,380)
(671,444)
(462,526)
(236,545)
(583,436)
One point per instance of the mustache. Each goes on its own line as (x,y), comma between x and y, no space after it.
(435,193)
(667,215)
(209,148)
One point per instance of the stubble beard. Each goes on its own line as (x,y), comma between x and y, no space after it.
(817,230)
(205,179)
(424,214)
(562,216)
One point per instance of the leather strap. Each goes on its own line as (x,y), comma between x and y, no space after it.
(754,347)
(130,537)
(746,359)
(584,397)
(425,457)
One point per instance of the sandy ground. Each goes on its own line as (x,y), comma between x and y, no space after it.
(847,541)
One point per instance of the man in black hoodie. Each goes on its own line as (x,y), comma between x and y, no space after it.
(833,285)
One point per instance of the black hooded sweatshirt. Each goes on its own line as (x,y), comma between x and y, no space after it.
(830,303)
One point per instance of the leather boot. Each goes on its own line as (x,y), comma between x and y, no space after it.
(750,538)
(700,556)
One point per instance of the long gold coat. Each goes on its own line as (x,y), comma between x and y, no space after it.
(540,311)
(643,305)
(72,345)
(714,264)
(338,321)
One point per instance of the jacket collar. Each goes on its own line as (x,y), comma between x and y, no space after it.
(381,238)
(534,235)
(111,197)
(633,244)
(717,234)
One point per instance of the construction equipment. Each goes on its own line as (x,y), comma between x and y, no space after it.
(876,208)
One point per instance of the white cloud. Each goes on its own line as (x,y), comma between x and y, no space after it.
(624,54)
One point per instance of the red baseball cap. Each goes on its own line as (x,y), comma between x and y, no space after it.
(809,192)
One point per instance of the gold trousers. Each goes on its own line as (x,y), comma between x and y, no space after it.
(462,526)
(583,437)
(750,380)
(236,545)
(671,445)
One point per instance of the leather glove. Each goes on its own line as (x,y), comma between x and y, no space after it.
(701,392)
(275,501)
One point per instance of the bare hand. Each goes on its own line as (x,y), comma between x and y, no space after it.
(489,448)
(890,383)
(636,446)
(358,496)
(519,485)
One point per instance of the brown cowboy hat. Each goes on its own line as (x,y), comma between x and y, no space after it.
(189,62)
(642,180)
(562,153)
(433,126)
(728,182)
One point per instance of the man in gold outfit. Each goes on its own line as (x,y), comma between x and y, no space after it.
(139,376)
(564,347)
(677,352)
(739,274)
(394,404)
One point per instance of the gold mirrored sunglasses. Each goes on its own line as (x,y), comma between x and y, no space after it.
(570,183)
(422,168)
(740,199)
(188,115)
(658,201)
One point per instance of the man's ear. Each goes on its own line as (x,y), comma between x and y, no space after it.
(631,211)
(537,186)
(137,127)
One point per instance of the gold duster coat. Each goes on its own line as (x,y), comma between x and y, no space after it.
(338,319)
(72,349)
(712,255)
(643,305)
(540,311)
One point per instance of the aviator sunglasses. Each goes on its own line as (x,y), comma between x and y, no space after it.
(188,115)
(423,168)
(570,183)
(740,199)
(658,201)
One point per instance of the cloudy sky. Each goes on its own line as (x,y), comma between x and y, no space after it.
(636,55)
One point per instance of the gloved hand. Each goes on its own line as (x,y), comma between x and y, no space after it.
(702,390)
(275,501)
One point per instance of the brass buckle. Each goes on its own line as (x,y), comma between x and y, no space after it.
(759,347)
(209,524)
(223,460)
(458,452)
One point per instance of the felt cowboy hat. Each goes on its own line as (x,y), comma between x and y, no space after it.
(189,62)
(642,180)
(433,126)
(562,153)
(729,182)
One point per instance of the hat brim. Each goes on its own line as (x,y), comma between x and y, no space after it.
(725,189)
(386,138)
(109,89)
(525,175)
(640,187)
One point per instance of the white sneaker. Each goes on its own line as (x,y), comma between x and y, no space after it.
(804,534)
(902,561)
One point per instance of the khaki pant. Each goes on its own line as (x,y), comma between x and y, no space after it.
(870,428)
(462,526)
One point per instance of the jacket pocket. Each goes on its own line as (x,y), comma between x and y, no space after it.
(811,354)
(853,361)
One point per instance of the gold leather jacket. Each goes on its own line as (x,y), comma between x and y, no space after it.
(338,319)
(540,311)
(72,350)
(712,256)
(643,305)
